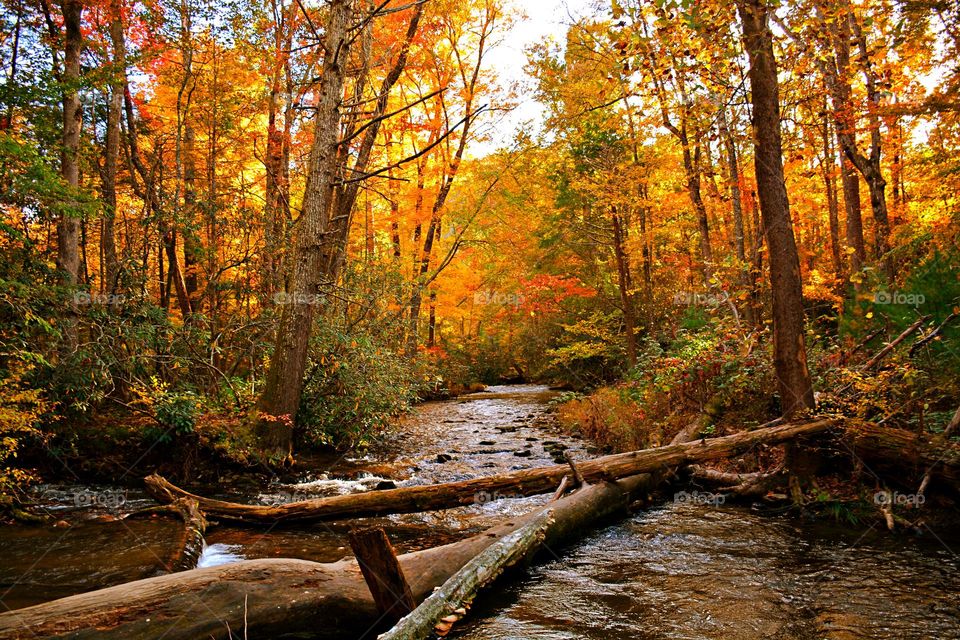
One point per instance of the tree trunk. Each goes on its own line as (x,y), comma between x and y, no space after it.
(870,167)
(346,197)
(790,360)
(461,588)
(833,206)
(174,273)
(454,494)
(68,226)
(276,196)
(691,164)
(273,597)
(851,206)
(736,198)
(112,150)
(192,249)
(625,285)
(278,404)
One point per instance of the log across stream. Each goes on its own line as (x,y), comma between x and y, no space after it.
(725,571)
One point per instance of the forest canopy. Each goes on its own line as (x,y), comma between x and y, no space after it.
(260,227)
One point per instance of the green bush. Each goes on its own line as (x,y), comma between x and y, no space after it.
(356,383)
(174,410)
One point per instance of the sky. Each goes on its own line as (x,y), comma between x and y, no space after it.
(544,19)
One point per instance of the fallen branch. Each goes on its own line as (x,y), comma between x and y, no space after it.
(933,334)
(845,357)
(380,568)
(275,597)
(525,482)
(462,586)
(909,331)
(947,432)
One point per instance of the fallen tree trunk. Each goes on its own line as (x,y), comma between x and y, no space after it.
(525,482)
(272,597)
(907,456)
(464,584)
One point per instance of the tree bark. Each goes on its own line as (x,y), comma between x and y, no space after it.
(790,359)
(525,482)
(460,589)
(833,206)
(382,572)
(68,225)
(273,597)
(625,285)
(904,456)
(112,150)
(276,195)
(278,404)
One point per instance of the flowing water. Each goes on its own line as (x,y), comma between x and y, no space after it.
(678,571)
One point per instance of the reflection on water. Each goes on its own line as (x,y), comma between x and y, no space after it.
(681,571)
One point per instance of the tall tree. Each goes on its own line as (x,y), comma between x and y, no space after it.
(111,152)
(790,358)
(280,399)
(68,226)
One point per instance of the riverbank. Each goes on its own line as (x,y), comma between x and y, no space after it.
(729,570)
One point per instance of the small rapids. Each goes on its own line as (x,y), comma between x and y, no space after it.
(679,571)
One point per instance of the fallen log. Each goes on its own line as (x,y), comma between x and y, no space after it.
(905,455)
(525,482)
(462,586)
(933,334)
(272,597)
(699,472)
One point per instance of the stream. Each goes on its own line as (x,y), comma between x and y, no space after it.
(680,570)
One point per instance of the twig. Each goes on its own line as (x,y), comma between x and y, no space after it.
(954,423)
(875,360)
(933,334)
(578,476)
(561,489)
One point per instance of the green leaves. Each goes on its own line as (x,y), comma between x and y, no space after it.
(28,181)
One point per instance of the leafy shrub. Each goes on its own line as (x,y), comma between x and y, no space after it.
(706,368)
(175,411)
(355,385)
(21,409)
